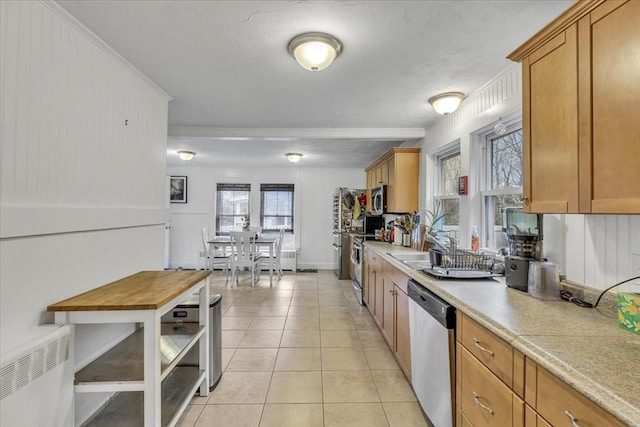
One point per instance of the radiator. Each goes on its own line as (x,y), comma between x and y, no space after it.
(288,259)
(36,381)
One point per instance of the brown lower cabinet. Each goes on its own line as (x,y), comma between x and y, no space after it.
(385,294)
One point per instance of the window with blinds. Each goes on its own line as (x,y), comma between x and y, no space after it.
(232,207)
(276,207)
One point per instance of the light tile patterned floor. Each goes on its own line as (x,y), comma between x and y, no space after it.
(302,353)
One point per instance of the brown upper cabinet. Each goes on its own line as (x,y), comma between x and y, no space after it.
(399,170)
(581,95)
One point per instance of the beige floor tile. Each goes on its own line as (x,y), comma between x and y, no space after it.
(343,359)
(354,415)
(235,323)
(267,322)
(304,311)
(337,324)
(304,301)
(197,400)
(292,415)
(300,338)
(259,338)
(230,415)
(227,354)
(241,387)
(306,283)
(273,310)
(364,322)
(405,414)
(372,338)
(380,359)
(298,359)
(231,339)
(242,310)
(295,387)
(348,386)
(295,322)
(283,285)
(334,309)
(190,416)
(393,386)
(339,338)
(335,316)
(334,301)
(276,302)
(253,359)
(305,293)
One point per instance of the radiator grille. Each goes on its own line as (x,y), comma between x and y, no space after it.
(37,361)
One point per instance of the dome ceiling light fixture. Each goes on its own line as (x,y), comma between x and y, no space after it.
(185,155)
(446,103)
(294,157)
(314,51)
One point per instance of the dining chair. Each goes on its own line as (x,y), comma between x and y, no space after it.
(266,260)
(244,255)
(215,258)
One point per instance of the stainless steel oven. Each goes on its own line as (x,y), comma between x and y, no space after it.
(356,260)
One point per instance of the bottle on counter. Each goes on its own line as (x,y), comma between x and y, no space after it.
(475,239)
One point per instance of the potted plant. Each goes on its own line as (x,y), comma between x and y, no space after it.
(431,226)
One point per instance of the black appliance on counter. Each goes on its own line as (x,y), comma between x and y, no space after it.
(524,234)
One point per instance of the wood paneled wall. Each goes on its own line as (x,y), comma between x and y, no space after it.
(83,132)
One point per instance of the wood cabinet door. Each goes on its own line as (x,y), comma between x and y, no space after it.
(550,125)
(388,307)
(403,342)
(378,313)
(609,96)
(371,183)
(391,184)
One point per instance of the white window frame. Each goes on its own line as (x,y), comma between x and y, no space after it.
(438,196)
(487,241)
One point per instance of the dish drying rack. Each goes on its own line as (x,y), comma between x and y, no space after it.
(451,262)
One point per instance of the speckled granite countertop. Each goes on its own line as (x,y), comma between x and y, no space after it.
(583,347)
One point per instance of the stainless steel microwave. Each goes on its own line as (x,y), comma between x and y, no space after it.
(379,200)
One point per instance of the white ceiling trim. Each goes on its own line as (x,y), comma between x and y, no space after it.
(317,133)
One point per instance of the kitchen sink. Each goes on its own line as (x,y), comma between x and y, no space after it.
(416,261)
(421,256)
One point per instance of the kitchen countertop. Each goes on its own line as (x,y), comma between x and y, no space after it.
(583,347)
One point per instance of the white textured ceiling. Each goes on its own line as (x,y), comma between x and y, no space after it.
(225,63)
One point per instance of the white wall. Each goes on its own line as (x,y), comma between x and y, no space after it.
(596,250)
(82,186)
(313,198)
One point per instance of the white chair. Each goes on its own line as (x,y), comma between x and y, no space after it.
(214,257)
(266,261)
(244,255)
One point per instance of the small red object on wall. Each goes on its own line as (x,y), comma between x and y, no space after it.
(463,185)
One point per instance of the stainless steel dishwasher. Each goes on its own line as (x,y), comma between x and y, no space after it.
(432,331)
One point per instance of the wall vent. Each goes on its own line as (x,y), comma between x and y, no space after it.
(36,359)
(288,259)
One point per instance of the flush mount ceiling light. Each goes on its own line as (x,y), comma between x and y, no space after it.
(293,157)
(186,155)
(314,51)
(446,103)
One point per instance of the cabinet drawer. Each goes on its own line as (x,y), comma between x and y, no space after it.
(493,352)
(555,399)
(485,400)
(398,277)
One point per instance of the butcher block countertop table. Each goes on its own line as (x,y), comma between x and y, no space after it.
(146,290)
(166,388)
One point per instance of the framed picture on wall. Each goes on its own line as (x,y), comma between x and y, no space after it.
(178,189)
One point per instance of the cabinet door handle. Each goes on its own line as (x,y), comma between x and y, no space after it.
(485,407)
(574,421)
(477,343)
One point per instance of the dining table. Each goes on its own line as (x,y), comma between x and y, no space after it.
(261,242)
